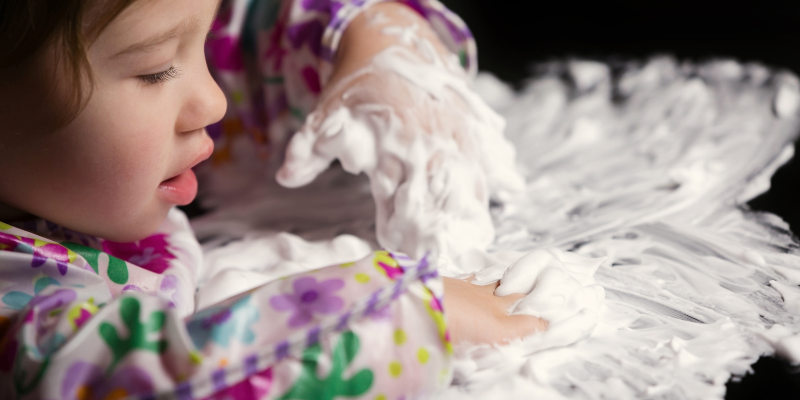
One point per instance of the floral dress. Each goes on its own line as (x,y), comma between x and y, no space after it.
(86,318)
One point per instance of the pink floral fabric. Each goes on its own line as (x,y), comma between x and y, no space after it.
(151,253)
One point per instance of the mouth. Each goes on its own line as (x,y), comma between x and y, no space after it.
(181,189)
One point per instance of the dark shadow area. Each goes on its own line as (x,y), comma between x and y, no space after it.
(513,35)
(771,379)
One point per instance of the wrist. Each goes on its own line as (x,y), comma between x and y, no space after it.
(365,36)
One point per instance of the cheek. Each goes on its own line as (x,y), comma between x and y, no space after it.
(123,168)
(120,154)
(100,174)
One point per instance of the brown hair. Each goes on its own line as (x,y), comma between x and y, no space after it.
(27,26)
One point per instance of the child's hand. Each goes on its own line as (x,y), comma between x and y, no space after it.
(475,315)
(400,109)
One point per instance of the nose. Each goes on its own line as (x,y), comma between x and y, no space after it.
(205,103)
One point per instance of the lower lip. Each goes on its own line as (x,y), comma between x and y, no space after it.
(180,190)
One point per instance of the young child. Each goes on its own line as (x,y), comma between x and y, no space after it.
(103,109)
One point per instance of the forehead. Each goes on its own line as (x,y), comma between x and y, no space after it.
(144,20)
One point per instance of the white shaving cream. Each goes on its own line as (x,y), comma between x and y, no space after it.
(634,187)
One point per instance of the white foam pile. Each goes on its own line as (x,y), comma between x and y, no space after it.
(631,237)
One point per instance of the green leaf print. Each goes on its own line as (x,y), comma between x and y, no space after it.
(137,332)
(309,387)
(117,269)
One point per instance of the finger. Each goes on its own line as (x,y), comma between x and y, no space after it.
(302,164)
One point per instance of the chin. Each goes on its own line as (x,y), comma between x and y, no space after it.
(136,231)
(127,230)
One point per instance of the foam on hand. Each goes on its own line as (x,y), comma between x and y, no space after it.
(558,284)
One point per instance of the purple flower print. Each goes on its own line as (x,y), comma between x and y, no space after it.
(169,288)
(336,19)
(40,250)
(16,300)
(151,253)
(381,314)
(307,32)
(48,305)
(85,381)
(309,297)
(53,301)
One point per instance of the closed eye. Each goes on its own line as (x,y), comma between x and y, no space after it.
(160,77)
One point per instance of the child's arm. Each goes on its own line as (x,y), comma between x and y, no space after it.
(367,36)
(367,329)
(399,107)
(475,315)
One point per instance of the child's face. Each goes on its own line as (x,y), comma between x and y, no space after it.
(108,172)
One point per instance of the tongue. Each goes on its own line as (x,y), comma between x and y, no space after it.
(180,189)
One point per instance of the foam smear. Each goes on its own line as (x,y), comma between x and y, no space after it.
(648,165)
(637,172)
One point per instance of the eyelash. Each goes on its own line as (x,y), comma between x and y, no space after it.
(160,77)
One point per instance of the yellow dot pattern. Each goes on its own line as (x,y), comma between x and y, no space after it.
(362,277)
(195,358)
(395,369)
(423,355)
(347,265)
(380,397)
(399,336)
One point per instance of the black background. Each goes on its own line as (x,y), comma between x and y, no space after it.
(513,34)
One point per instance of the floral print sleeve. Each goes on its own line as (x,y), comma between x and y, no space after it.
(69,329)
(273,57)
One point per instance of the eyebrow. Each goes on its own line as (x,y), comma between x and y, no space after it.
(183,28)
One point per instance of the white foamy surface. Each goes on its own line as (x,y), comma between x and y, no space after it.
(648,171)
